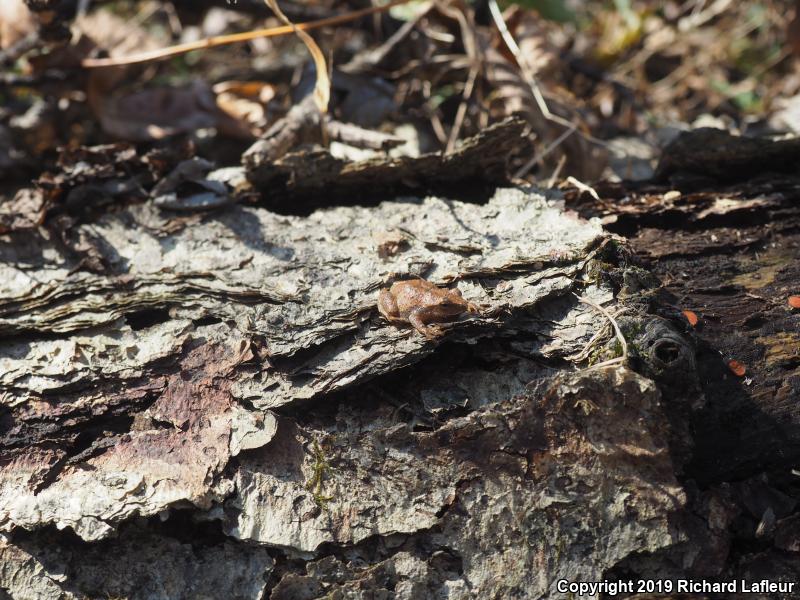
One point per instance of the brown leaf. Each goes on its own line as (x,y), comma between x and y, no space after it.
(115,35)
(245,104)
(156,113)
(146,115)
(16,21)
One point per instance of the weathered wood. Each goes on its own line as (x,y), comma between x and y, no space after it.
(729,253)
(223,379)
(196,371)
(297,181)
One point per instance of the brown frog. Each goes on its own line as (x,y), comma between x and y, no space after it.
(422,304)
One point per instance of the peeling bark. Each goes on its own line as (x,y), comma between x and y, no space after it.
(149,389)
(215,403)
(137,564)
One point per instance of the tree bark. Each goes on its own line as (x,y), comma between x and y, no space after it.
(207,404)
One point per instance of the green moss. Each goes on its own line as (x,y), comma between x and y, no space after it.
(612,349)
(319,470)
(553,10)
(631,329)
(611,251)
(597,269)
(604,353)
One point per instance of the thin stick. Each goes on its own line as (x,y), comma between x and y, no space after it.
(538,158)
(471,48)
(462,109)
(512,46)
(322,87)
(234,38)
(617,332)
(554,176)
(583,187)
(601,333)
(530,77)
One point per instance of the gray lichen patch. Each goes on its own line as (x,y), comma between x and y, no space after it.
(561,483)
(235,365)
(306,286)
(138,564)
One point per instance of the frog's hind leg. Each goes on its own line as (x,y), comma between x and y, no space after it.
(387,306)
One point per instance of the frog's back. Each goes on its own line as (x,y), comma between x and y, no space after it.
(411,294)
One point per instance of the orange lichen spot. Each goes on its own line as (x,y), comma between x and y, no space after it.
(737,368)
(691,317)
(794,301)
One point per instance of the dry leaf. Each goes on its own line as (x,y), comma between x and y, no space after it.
(115,35)
(691,317)
(156,113)
(322,89)
(532,33)
(245,103)
(793,31)
(143,115)
(737,368)
(236,109)
(16,21)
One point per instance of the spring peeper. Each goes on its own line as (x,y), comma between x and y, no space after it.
(422,304)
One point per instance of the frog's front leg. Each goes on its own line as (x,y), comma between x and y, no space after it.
(420,319)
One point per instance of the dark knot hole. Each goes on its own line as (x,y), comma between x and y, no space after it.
(666,351)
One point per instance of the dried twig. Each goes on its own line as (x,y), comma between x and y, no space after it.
(557,171)
(538,158)
(621,338)
(524,66)
(462,108)
(322,88)
(528,74)
(353,135)
(471,47)
(583,187)
(235,38)
(601,333)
